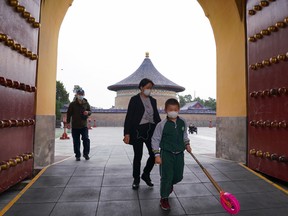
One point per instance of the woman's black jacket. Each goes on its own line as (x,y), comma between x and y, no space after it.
(134,115)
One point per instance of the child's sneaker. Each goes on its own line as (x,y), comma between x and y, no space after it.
(164,203)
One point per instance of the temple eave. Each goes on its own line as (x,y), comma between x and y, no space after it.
(164,87)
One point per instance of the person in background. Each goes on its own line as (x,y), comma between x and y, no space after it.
(79,110)
(140,122)
(169,141)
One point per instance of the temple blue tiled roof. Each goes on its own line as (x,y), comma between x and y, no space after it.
(146,70)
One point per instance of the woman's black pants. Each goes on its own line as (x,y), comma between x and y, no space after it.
(138,152)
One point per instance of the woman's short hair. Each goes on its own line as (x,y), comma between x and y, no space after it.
(172,101)
(144,82)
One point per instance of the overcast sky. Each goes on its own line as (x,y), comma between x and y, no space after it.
(103,41)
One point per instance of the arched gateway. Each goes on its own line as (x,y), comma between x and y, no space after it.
(256,94)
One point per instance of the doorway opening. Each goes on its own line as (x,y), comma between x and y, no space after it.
(102,43)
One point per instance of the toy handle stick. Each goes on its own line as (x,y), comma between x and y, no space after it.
(219,189)
(228,201)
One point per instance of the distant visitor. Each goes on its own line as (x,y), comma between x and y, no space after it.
(79,110)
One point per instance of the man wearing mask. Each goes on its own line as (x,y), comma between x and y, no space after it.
(79,110)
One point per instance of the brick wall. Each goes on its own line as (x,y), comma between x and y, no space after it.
(117,119)
(123,97)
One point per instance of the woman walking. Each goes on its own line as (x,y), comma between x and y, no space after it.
(140,122)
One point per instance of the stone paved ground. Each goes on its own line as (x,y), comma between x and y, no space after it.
(102,185)
(203,142)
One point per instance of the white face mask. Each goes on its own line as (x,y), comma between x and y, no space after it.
(147,92)
(172,114)
(80,97)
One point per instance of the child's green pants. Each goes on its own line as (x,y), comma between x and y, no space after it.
(171,171)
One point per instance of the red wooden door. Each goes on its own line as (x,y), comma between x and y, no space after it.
(18,47)
(267,57)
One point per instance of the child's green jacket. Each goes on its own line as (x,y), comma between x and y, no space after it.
(170,136)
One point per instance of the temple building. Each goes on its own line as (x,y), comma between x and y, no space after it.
(195,106)
(128,87)
(162,90)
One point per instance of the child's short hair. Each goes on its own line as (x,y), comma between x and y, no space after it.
(172,101)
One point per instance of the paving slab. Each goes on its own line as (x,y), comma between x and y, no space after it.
(102,185)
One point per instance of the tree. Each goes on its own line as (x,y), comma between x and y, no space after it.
(76,88)
(199,100)
(188,98)
(211,102)
(181,100)
(184,99)
(62,97)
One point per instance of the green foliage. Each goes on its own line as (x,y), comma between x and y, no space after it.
(62,97)
(211,102)
(200,100)
(181,100)
(61,94)
(58,107)
(76,87)
(184,99)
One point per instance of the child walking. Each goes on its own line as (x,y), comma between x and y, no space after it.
(169,141)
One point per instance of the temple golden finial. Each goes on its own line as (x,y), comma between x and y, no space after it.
(147,54)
